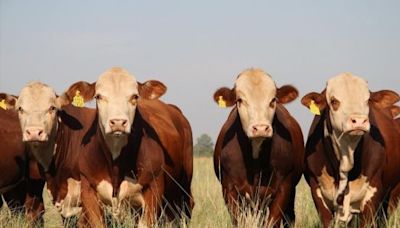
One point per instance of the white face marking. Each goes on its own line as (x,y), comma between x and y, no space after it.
(350,94)
(37,107)
(255,92)
(116,93)
(70,205)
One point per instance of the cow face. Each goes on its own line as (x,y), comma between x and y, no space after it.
(256,98)
(37,107)
(348,99)
(117,93)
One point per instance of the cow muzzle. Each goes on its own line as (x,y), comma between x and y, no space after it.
(35,134)
(358,125)
(260,131)
(119,127)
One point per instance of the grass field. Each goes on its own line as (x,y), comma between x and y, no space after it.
(210,210)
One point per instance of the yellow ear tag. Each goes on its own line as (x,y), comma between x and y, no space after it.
(314,108)
(3,104)
(221,102)
(78,99)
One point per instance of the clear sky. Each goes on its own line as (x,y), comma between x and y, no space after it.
(197,47)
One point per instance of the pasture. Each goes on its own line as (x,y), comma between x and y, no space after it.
(210,210)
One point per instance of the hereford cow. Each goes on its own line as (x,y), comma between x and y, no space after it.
(19,182)
(259,151)
(352,151)
(138,151)
(52,130)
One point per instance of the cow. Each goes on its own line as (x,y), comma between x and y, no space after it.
(17,183)
(52,130)
(137,152)
(352,150)
(259,151)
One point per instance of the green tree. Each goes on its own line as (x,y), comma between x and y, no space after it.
(204,146)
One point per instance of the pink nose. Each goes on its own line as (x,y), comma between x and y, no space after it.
(118,124)
(35,134)
(261,130)
(359,122)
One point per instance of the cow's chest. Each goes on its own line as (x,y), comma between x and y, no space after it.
(358,193)
(129,192)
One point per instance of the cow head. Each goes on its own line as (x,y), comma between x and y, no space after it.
(37,107)
(256,96)
(117,93)
(347,96)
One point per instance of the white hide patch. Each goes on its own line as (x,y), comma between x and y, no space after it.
(130,193)
(70,205)
(360,192)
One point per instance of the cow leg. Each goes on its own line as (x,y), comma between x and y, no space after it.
(153,196)
(323,211)
(15,198)
(281,200)
(92,213)
(394,199)
(289,215)
(370,214)
(34,204)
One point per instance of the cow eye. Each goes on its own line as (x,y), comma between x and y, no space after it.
(335,103)
(52,108)
(97,97)
(239,101)
(20,109)
(135,97)
(272,103)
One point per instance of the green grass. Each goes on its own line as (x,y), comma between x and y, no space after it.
(209,211)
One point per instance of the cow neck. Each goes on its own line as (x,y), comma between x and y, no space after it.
(44,152)
(114,145)
(252,164)
(344,146)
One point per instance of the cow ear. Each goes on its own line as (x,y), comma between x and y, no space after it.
(286,94)
(395,110)
(151,89)
(8,101)
(384,98)
(85,90)
(319,100)
(225,97)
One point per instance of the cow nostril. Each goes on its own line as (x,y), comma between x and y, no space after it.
(124,122)
(112,123)
(266,128)
(28,132)
(365,121)
(40,132)
(353,121)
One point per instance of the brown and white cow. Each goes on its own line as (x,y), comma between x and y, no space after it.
(137,152)
(353,149)
(259,151)
(14,155)
(52,130)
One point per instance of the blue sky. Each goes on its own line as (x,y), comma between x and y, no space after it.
(197,47)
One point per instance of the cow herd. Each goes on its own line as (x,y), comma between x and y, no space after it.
(133,151)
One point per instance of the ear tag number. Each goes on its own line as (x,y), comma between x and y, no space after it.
(78,100)
(221,102)
(3,104)
(314,108)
